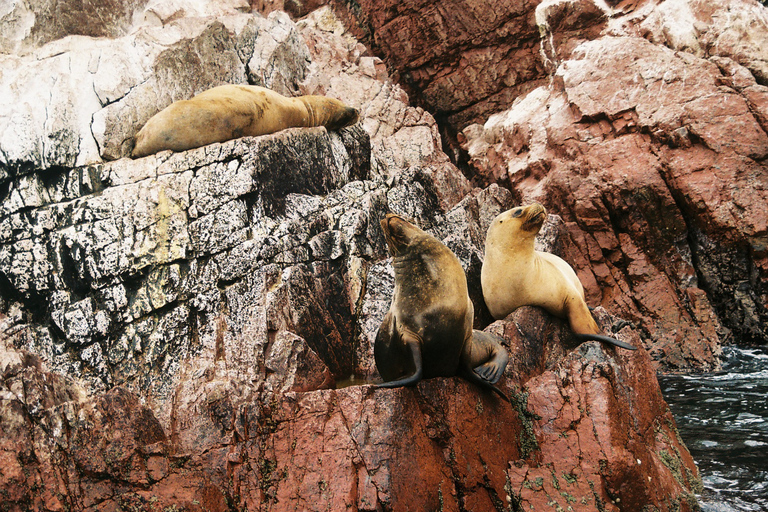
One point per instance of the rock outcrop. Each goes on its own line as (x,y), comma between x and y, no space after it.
(182,330)
(642,124)
(589,430)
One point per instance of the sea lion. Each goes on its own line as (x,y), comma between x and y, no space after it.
(427,331)
(231,111)
(514,275)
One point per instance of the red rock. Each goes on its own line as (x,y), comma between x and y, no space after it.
(669,195)
(436,49)
(243,425)
(630,137)
(579,420)
(598,444)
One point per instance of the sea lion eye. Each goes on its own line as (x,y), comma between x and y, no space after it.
(517,212)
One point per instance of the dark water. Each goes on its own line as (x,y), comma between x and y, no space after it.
(723,418)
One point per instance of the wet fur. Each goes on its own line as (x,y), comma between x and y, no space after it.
(427,331)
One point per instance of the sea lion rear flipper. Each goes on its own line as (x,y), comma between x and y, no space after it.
(414,346)
(484,360)
(604,339)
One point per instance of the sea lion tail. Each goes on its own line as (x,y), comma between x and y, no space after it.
(604,339)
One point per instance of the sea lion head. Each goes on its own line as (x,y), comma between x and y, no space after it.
(342,116)
(532,217)
(521,223)
(330,112)
(400,234)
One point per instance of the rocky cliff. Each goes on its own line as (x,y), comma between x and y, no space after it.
(194,330)
(641,123)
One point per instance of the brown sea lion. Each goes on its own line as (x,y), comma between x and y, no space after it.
(427,331)
(515,275)
(232,111)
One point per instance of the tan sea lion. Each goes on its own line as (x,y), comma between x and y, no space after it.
(515,275)
(232,111)
(427,331)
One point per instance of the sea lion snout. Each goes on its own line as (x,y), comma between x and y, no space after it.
(348,117)
(533,217)
(385,222)
(336,115)
(397,232)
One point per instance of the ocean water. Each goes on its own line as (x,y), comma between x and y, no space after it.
(723,419)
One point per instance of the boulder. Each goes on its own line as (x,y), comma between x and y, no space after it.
(587,426)
(80,100)
(611,113)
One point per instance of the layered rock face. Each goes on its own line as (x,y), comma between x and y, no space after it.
(642,124)
(181,330)
(590,431)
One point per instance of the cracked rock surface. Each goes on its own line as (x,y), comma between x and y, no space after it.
(194,330)
(668,205)
(641,124)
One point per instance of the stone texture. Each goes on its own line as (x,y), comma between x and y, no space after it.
(585,439)
(169,254)
(30,24)
(174,327)
(438,49)
(736,30)
(586,426)
(662,204)
(295,8)
(607,112)
(591,435)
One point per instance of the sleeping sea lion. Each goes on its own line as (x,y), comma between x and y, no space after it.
(232,111)
(514,275)
(427,331)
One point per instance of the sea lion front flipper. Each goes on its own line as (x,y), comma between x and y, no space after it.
(604,339)
(471,376)
(484,360)
(413,345)
(491,371)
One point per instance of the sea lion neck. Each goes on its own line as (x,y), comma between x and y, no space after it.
(415,258)
(507,235)
(306,114)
